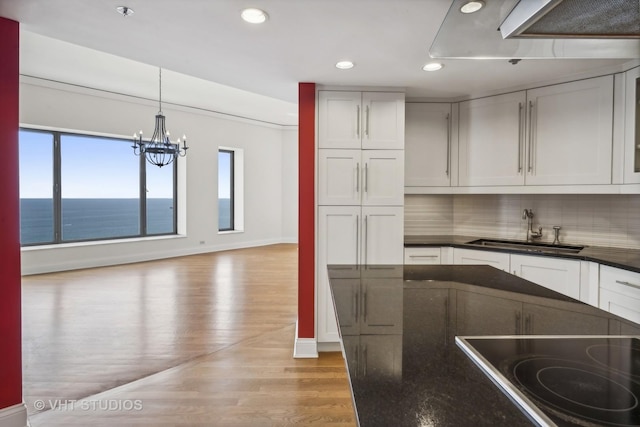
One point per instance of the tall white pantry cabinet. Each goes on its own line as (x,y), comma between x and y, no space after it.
(360,188)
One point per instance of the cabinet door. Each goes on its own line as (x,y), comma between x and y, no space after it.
(560,275)
(339,177)
(422,255)
(491,140)
(382,235)
(339,119)
(427,145)
(338,240)
(382,120)
(570,133)
(620,292)
(381,306)
(467,256)
(383,177)
(632,127)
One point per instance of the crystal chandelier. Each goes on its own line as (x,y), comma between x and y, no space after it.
(159,150)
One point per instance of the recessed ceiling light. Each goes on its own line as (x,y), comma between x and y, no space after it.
(254,16)
(124,10)
(344,65)
(433,66)
(472,6)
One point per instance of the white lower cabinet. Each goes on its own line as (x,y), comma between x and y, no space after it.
(422,255)
(560,275)
(353,235)
(498,260)
(620,292)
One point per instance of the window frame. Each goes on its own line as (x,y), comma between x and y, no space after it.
(237,188)
(57,191)
(232,192)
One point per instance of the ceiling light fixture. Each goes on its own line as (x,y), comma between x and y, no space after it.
(472,6)
(344,65)
(125,11)
(159,150)
(433,66)
(254,16)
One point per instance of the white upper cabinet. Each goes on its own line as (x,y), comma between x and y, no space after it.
(632,127)
(570,133)
(383,177)
(367,120)
(428,145)
(553,135)
(367,177)
(491,140)
(339,177)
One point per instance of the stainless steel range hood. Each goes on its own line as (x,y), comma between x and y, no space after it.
(573,18)
(478,35)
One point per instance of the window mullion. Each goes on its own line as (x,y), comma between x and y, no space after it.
(143,196)
(57,189)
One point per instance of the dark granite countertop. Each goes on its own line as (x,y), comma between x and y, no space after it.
(398,326)
(628,259)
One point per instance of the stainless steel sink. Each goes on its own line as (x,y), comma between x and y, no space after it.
(528,246)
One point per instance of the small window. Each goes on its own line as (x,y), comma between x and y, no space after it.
(230,189)
(226,197)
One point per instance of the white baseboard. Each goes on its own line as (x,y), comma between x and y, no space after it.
(304,348)
(14,416)
(121,252)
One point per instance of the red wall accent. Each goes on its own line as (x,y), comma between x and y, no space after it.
(10,321)
(306,209)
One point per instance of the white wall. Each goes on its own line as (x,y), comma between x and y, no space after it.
(290,185)
(269,190)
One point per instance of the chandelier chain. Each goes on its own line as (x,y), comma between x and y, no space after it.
(160,84)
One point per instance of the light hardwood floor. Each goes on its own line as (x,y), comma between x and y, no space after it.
(203,340)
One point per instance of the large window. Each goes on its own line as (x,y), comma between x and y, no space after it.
(81,187)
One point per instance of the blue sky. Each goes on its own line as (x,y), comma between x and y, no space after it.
(91,168)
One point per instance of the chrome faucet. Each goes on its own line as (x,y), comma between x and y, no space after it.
(528,215)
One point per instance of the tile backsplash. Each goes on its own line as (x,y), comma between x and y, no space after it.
(588,219)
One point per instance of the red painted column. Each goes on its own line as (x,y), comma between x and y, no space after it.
(306,209)
(10,335)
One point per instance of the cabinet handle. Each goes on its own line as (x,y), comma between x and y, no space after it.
(527,324)
(366,177)
(366,239)
(366,129)
(633,285)
(358,178)
(519,137)
(448,144)
(423,256)
(530,160)
(518,330)
(358,121)
(357,239)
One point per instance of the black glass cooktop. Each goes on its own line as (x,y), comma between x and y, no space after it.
(564,381)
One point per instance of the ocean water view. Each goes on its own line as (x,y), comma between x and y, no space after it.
(86,219)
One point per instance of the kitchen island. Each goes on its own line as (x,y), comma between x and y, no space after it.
(398,326)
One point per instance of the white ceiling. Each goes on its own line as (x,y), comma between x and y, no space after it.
(215,60)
